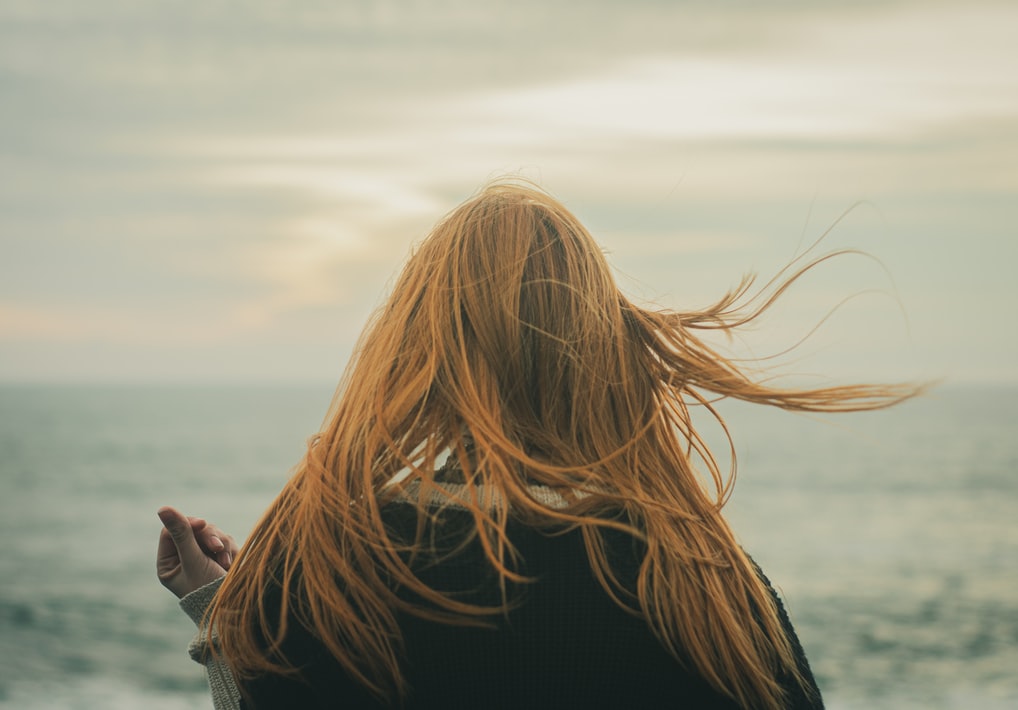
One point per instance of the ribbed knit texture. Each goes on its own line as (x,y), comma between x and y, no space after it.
(225,695)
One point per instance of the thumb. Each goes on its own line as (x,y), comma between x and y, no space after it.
(180,530)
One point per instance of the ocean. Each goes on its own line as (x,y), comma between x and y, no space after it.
(893,536)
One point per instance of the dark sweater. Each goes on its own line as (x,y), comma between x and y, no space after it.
(567,645)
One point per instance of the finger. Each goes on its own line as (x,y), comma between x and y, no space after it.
(218,545)
(180,532)
(167,556)
(228,555)
(212,539)
(167,548)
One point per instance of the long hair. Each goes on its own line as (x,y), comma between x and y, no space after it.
(507,342)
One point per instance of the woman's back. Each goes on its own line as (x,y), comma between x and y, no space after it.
(564,643)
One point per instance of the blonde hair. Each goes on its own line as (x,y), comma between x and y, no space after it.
(507,342)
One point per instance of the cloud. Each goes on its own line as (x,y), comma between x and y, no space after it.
(245,202)
(860,88)
(885,75)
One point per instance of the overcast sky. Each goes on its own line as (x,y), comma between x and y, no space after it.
(222,191)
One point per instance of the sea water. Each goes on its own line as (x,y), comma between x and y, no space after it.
(893,536)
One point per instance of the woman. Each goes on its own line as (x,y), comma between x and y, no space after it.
(567,554)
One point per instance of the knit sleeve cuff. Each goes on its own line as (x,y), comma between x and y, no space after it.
(197,602)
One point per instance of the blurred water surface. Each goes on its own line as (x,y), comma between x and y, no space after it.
(892,535)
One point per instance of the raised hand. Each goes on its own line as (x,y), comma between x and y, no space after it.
(191,552)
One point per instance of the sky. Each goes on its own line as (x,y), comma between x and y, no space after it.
(223,192)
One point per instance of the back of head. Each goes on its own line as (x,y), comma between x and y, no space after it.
(530,338)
